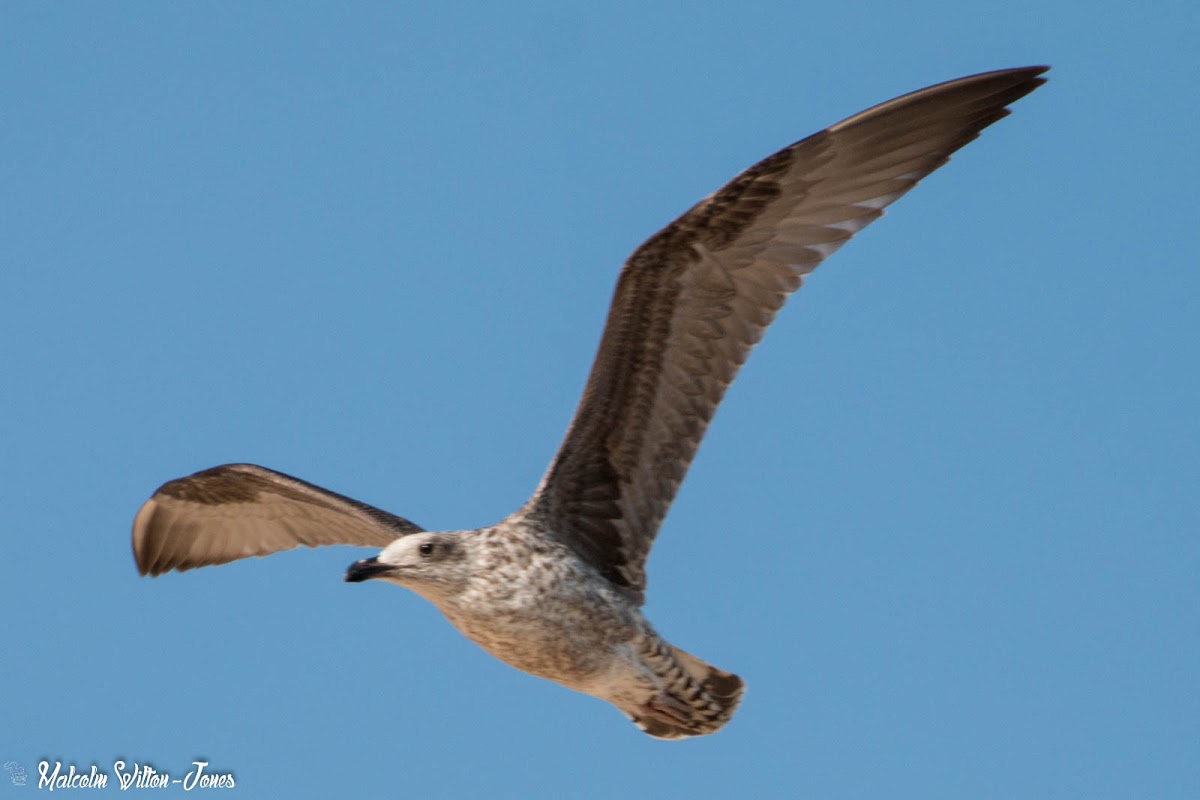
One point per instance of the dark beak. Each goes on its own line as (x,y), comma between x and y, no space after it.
(366,569)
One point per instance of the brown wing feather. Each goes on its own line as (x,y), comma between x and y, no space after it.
(693,300)
(239,510)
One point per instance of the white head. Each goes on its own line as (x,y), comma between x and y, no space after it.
(434,564)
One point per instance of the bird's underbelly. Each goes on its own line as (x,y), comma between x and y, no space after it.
(570,645)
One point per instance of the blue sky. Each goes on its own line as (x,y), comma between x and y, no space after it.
(945,524)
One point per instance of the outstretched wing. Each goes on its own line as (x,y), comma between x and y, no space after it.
(693,300)
(239,510)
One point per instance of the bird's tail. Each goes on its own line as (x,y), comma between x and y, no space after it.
(697,698)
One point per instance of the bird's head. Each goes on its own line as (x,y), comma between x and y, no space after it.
(431,564)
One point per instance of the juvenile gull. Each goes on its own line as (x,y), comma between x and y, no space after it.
(556,588)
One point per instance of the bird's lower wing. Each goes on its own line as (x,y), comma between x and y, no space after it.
(239,510)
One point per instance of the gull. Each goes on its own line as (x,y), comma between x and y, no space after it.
(556,588)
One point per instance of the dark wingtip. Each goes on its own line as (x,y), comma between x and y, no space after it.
(1037,73)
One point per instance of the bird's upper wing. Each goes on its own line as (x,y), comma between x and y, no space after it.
(238,510)
(693,300)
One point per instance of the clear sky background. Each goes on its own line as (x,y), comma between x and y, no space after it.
(945,524)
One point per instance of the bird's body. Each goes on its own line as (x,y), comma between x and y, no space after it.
(556,588)
(532,602)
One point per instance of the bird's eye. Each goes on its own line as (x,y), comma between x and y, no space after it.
(426,548)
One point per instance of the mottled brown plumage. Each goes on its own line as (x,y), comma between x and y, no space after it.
(555,588)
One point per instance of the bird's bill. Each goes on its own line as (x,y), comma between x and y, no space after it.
(366,569)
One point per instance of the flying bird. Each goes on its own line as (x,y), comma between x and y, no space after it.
(556,588)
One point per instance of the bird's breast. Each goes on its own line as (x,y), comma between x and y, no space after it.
(546,616)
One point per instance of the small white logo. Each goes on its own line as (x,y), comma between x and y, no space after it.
(16,772)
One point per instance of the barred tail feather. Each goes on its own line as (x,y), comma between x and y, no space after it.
(698,698)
